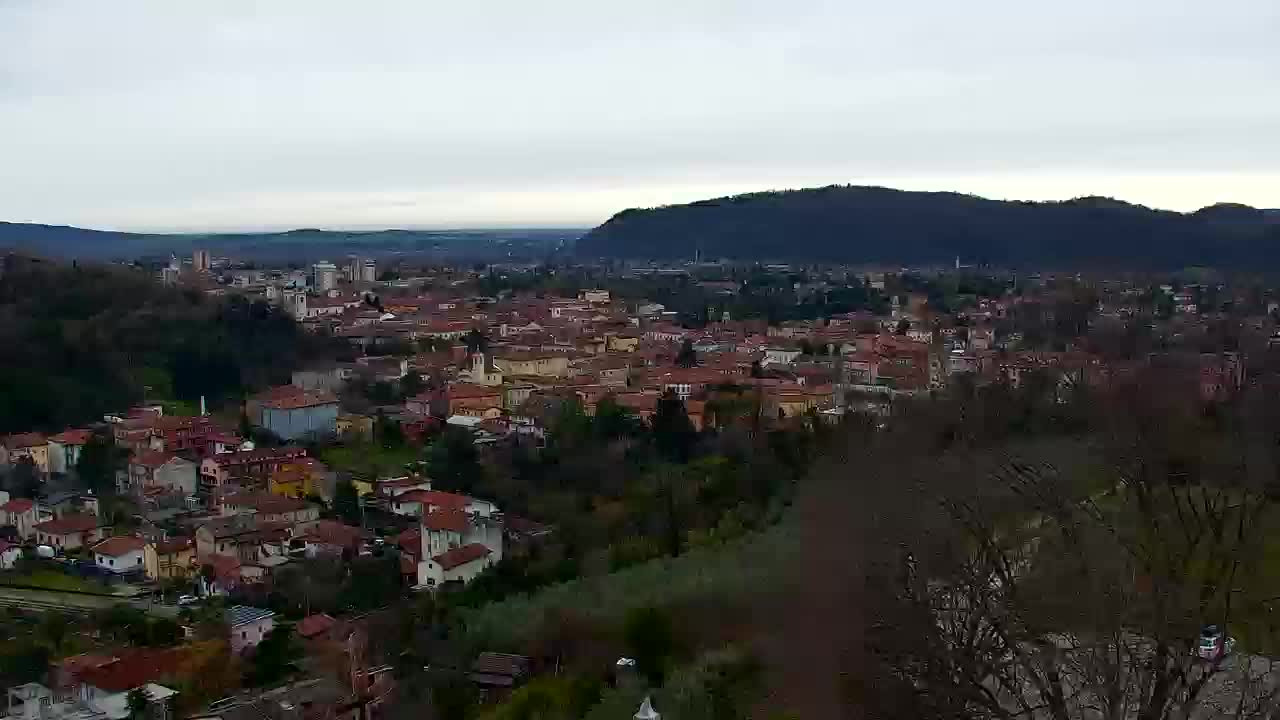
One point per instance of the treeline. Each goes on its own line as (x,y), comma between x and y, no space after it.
(79,340)
(871,224)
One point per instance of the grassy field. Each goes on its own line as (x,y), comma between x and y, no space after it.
(53,580)
(713,573)
(368,459)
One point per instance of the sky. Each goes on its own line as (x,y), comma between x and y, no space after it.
(235,114)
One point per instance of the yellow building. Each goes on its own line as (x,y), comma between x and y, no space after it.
(296,479)
(529,363)
(354,425)
(169,559)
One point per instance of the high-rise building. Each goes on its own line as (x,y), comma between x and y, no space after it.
(369,271)
(324,276)
(200,260)
(352,269)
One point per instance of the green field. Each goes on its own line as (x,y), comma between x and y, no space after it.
(53,580)
(368,460)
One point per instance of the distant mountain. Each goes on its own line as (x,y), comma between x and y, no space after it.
(856,224)
(301,245)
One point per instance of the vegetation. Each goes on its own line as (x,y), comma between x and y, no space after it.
(78,341)
(871,224)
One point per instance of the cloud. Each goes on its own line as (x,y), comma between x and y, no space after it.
(152,114)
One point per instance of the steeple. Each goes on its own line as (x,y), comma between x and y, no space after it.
(646,711)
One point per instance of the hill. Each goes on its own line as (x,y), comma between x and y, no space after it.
(293,245)
(855,224)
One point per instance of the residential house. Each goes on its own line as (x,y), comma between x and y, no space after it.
(22,514)
(542,364)
(64,449)
(120,555)
(248,626)
(103,684)
(223,536)
(245,467)
(330,537)
(459,399)
(169,559)
(163,471)
(315,628)
(298,479)
(32,446)
(349,426)
(268,508)
(69,532)
(416,503)
(458,545)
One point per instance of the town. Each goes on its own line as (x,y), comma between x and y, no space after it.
(469,435)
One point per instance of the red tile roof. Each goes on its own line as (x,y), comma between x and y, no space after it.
(449,520)
(117,546)
(24,440)
(410,541)
(68,524)
(173,545)
(132,668)
(18,505)
(295,402)
(437,498)
(451,559)
(72,437)
(150,458)
(313,625)
(265,503)
(332,532)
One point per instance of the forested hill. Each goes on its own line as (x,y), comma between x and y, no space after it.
(880,225)
(80,340)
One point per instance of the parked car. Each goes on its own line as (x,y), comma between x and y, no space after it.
(184,600)
(1214,643)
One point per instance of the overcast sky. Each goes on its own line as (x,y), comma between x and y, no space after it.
(221,114)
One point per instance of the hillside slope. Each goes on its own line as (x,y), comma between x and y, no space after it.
(880,225)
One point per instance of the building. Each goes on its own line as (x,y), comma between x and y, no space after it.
(69,532)
(120,555)
(269,508)
(223,537)
(200,261)
(169,559)
(248,626)
(245,467)
(22,514)
(538,364)
(369,271)
(457,544)
(9,555)
(64,449)
(301,415)
(324,276)
(27,446)
(154,470)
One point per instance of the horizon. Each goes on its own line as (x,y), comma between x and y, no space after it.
(551,226)
(145,115)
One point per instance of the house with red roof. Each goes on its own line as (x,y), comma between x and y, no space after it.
(70,532)
(104,684)
(172,558)
(450,523)
(120,555)
(458,564)
(22,514)
(65,447)
(33,446)
(158,470)
(270,508)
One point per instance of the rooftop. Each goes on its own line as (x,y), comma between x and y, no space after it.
(458,556)
(117,546)
(238,615)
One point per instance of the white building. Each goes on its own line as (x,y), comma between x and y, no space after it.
(248,626)
(120,555)
(324,276)
(369,271)
(461,537)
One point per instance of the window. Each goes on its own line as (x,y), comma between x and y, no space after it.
(244,634)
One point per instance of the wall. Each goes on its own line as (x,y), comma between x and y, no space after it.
(296,423)
(250,634)
(129,562)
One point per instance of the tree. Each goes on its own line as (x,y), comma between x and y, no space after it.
(673,432)
(477,342)
(452,459)
(137,701)
(24,478)
(274,657)
(687,357)
(387,432)
(903,326)
(99,460)
(651,642)
(346,503)
(412,384)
